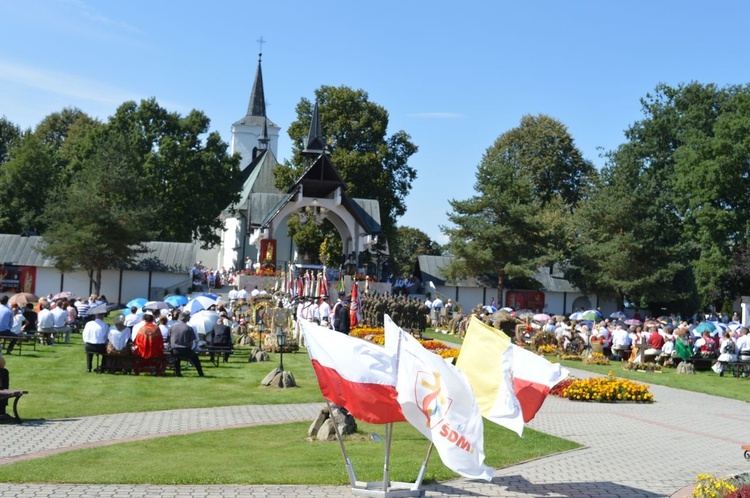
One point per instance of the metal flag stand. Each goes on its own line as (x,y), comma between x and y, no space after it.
(385,488)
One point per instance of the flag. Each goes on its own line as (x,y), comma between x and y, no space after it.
(367,284)
(436,398)
(354,373)
(341,280)
(510,383)
(354,314)
(324,283)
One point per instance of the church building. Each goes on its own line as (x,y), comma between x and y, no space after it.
(256,227)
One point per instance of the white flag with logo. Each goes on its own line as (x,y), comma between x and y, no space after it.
(436,398)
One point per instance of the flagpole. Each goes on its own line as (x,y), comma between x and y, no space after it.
(387,460)
(347,461)
(423,468)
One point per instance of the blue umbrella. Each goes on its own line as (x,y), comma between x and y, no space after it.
(704,326)
(137,302)
(176,300)
(207,294)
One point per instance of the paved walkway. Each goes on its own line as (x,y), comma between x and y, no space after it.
(630,450)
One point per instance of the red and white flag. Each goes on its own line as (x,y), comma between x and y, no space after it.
(354,317)
(354,373)
(436,398)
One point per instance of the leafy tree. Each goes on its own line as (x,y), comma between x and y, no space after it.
(190,173)
(27,180)
(95,223)
(10,136)
(408,245)
(374,165)
(495,231)
(542,146)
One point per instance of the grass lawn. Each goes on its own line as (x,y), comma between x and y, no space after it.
(274,454)
(439,336)
(703,382)
(60,387)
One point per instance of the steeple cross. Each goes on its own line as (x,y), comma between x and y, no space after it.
(260,41)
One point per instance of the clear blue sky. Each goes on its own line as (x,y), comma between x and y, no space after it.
(453,75)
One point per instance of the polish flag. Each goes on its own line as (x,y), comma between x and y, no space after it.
(354,316)
(354,373)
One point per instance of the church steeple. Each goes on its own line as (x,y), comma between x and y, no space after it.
(257,105)
(263,139)
(315,143)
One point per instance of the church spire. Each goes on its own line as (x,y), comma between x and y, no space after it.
(315,143)
(263,138)
(257,105)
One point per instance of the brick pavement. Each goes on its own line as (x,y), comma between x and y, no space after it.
(630,450)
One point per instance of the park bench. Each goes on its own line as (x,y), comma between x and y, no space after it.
(7,394)
(216,353)
(20,339)
(739,368)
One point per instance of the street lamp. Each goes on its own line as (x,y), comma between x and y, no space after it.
(281,341)
(260,334)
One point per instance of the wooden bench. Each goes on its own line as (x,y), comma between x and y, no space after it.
(215,354)
(7,394)
(739,368)
(20,339)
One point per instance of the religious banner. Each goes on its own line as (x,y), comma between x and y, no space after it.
(267,257)
(519,300)
(15,279)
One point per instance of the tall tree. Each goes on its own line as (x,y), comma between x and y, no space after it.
(494,233)
(185,167)
(373,164)
(10,136)
(27,180)
(543,147)
(410,243)
(95,223)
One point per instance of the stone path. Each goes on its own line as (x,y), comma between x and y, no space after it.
(630,450)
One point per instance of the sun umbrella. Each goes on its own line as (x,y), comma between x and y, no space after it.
(199,303)
(633,321)
(63,295)
(203,321)
(507,309)
(22,298)
(593,315)
(541,317)
(176,300)
(206,294)
(489,309)
(137,302)
(102,308)
(578,315)
(705,326)
(523,314)
(157,305)
(733,326)
(618,315)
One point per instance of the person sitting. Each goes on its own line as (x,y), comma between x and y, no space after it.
(118,338)
(655,345)
(148,346)
(220,337)
(183,339)
(46,324)
(726,354)
(705,346)
(61,320)
(95,340)
(621,342)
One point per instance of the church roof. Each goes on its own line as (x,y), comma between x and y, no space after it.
(256,108)
(258,176)
(315,143)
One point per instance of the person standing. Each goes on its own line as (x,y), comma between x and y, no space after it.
(343,323)
(95,335)
(324,311)
(182,339)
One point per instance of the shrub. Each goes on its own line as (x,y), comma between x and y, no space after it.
(708,486)
(608,389)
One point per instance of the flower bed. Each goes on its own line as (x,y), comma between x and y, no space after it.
(708,486)
(641,367)
(596,359)
(377,336)
(608,389)
(547,349)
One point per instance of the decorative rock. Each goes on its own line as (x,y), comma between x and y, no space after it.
(287,379)
(317,423)
(344,420)
(268,379)
(327,432)
(685,368)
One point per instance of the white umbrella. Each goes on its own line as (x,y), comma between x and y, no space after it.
(203,321)
(199,303)
(157,305)
(619,315)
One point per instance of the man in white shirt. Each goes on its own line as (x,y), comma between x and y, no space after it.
(132,318)
(242,294)
(437,308)
(324,311)
(254,292)
(119,335)
(620,340)
(60,314)
(95,339)
(232,296)
(743,341)
(46,324)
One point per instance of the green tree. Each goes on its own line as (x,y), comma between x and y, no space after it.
(542,146)
(494,233)
(95,223)
(27,180)
(184,166)
(10,136)
(408,244)
(373,164)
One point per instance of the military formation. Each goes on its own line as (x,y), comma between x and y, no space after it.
(408,313)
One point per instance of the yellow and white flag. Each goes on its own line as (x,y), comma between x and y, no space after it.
(437,399)
(510,383)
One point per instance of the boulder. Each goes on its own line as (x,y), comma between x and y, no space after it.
(685,368)
(317,423)
(327,432)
